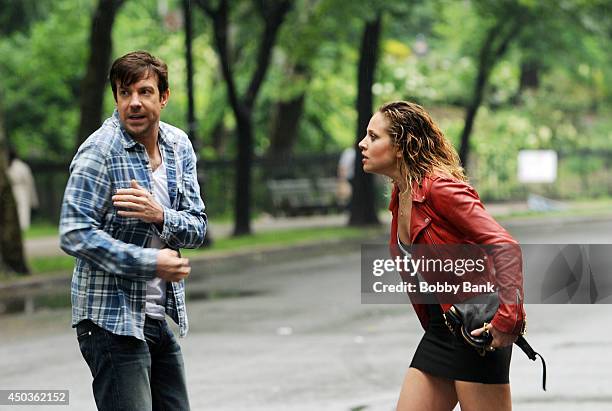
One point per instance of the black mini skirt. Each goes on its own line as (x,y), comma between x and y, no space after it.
(441,354)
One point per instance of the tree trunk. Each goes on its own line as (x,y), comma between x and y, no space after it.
(529,79)
(12,257)
(191,121)
(363,205)
(244,160)
(93,84)
(530,75)
(219,137)
(286,127)
(490,53)
(287,115)
(470,117)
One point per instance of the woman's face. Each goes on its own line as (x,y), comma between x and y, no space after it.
(379,152)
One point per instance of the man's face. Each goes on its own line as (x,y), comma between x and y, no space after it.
(139,106)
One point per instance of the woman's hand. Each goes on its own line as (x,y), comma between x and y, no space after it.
(500,339)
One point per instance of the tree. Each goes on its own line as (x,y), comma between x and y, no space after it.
(191,122)
(509,17)
(17,17)
(287,115)
(41,70)
(311,42)
(363,210)
(542,48)
(272,13)
(303,35)
(93,84)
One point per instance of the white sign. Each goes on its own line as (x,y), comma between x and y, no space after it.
(537,166)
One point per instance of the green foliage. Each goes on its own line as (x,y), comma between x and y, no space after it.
(429,54)
(330,105)
(18,15)
(41,72)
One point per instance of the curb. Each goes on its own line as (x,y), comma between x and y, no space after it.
(219,262)
(526,221)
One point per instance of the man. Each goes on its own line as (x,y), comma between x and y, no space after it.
(132,199)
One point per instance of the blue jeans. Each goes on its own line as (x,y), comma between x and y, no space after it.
(132,375)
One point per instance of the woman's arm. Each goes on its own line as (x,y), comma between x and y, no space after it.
(460,205)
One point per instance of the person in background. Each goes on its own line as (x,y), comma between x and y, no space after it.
(24,189)
(345,174)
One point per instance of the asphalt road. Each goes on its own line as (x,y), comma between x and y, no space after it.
(294,336)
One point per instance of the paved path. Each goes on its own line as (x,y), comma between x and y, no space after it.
(302,341)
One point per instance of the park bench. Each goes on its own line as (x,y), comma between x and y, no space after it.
(303,196)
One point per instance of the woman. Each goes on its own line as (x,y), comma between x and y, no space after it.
(433,204)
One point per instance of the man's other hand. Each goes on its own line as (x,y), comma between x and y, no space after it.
(171,267)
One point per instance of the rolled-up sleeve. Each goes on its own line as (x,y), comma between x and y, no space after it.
(86,201)
(459,204)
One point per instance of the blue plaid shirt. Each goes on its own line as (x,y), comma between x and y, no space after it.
(113,263)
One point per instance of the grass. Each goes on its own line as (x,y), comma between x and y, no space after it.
(285,238)
(41,265)
(582,208)
(291,237)
(288,237)
(38,230)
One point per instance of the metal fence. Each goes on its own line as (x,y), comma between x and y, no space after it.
(217,181)
(582,174)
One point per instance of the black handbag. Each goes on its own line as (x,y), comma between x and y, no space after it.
(477,312)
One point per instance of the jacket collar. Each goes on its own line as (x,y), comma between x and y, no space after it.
(418,193)
(129,142)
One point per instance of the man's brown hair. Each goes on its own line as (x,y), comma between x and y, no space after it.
(136,66)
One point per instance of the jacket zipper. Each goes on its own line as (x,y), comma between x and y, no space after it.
(178,177)
(429,235)
(518,303)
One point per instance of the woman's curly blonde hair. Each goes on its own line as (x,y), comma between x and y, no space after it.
(424,147)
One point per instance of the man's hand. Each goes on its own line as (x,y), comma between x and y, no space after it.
(138,203)
(171,267)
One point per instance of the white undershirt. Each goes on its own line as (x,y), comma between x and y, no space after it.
(156,288)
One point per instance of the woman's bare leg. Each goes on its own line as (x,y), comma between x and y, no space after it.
(483,397)
(424,392)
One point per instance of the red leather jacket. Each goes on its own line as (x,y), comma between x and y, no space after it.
(449,211)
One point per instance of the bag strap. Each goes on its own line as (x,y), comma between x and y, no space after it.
(524,345)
